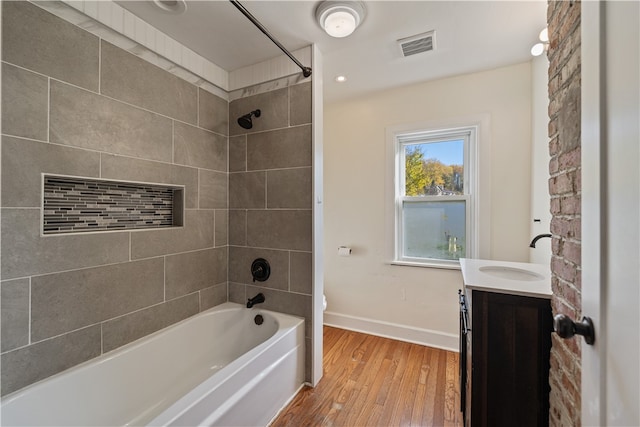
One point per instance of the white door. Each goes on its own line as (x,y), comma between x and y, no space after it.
(611,211)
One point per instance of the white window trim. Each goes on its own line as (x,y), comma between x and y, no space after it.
(480,215)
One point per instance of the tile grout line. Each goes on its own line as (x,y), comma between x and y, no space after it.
(289,274)
(127,156)
(48,109)
(246,155)
(30,319)
(164,278)
(258,132)
(173,142)
(215,216)
(284,168)
(266,186)
(288,107)
(246,226)
(101,322)
(94,266)
(100,65)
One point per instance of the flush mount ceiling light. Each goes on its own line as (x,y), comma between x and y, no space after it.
(171,6)
(340,18)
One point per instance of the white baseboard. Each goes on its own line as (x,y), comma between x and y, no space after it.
(395,331)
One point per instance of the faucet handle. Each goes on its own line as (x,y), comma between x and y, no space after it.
(260,269)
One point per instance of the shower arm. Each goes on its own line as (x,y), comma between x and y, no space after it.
(306,71)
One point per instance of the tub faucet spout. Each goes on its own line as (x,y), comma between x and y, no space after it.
(538,237)
(258,299)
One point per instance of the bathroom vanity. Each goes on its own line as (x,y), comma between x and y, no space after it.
(505,343)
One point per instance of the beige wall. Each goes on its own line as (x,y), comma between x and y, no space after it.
(364,285)
(540,205)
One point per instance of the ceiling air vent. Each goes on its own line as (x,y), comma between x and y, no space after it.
(419,43)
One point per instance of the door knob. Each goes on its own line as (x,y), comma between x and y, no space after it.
(567,328)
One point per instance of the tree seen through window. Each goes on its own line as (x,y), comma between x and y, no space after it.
(434,169)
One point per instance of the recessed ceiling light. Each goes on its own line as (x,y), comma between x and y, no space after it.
(544,35)
(171,6)
(537,49)
(341,79)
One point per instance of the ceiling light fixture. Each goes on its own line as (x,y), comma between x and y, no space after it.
(544,35)
(341,79)
(171,6)
(539,48)
(340,18)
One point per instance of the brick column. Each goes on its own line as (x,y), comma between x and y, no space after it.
(563,20)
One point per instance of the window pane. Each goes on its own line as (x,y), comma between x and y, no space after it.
(434,168)
(434,229)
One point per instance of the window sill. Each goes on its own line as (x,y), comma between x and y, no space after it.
(426,265)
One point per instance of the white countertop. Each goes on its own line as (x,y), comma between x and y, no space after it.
(496,277)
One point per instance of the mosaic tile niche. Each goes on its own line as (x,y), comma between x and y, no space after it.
(77,205)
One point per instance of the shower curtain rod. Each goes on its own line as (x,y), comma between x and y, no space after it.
(306,71)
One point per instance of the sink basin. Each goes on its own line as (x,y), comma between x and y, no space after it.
(511,273)
(506,277)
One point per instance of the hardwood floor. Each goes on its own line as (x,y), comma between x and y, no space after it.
(373,381)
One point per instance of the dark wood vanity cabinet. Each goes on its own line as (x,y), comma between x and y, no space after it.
(505,358)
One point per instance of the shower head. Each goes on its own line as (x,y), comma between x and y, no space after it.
(246,122)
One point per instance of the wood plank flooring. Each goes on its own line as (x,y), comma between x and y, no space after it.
(379,382)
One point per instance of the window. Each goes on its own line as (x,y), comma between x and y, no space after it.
(435,179)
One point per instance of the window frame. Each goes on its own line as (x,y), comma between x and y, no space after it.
(398,139)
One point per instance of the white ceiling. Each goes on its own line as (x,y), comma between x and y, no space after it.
(470,36)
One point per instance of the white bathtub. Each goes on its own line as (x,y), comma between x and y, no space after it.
(216,368)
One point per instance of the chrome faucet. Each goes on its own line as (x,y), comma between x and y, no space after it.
(255,300)
(538,237)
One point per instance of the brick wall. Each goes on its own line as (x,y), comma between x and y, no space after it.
(563,19)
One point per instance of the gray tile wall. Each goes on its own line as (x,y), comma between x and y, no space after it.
(270,201)
(76,105)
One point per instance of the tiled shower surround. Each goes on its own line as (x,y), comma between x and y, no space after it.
(270,201)
(76,105)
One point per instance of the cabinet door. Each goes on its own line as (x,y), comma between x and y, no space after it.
(469,381)
(511,345)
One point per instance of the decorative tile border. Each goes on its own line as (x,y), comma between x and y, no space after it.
(75,205)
